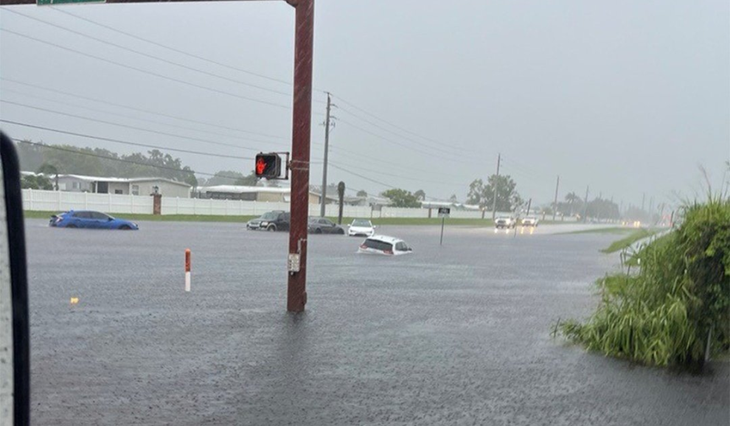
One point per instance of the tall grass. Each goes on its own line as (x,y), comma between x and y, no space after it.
(664,312)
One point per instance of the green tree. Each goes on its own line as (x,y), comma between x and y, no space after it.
(36,182)
(420,195)
(225,177)
(49,170)
(250,180)
(362,193)
(453,198)
(507,197)
(401,198)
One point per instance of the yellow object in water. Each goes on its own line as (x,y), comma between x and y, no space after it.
(74,300)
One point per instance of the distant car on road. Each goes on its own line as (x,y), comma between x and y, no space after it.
(277,220)
(361,228)
(529,221)
(322,225)
(90,219)
(504,222)
(383,244)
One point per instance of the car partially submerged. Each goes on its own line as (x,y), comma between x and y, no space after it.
(277,220)
(322,225)
(91,220)
(385,245)
(361,228)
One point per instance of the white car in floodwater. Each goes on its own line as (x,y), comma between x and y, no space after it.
(361,228)
(382,244)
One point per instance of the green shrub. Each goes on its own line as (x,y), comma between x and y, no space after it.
(663,312)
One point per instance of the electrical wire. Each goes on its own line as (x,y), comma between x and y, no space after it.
(131,117)
(123,160)
(146,55)
(165,77)
(123,142)
(146,111)
(129,127)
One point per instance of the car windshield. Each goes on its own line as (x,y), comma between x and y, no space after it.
(378,245)
(561,169)
(269,216)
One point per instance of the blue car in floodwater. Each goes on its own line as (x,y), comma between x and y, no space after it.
(90,219)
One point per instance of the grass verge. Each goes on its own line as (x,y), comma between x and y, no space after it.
(629,240)
(242,219)
(611,230)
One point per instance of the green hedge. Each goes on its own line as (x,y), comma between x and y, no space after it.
(663,313)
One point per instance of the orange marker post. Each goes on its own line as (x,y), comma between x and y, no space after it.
(187,270)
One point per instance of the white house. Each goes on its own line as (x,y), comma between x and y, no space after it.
(134,186)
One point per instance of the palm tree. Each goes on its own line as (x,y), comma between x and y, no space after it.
(571,198)
(51,170)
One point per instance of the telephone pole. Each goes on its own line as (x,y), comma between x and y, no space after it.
(323,200)
(496,183)
(555,204)
(585,208)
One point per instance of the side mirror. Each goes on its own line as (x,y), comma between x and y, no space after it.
(14,324)
(109,219)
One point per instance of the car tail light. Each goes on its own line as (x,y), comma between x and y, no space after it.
(363,246)
(388,251)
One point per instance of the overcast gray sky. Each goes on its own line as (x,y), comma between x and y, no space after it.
(625,96)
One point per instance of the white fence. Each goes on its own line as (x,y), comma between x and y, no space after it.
(113,203)
(62,201)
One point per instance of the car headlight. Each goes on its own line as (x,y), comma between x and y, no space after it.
(264,223)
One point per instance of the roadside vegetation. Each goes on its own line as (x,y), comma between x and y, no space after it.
(676,305)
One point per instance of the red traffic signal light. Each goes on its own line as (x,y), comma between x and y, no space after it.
(268,166)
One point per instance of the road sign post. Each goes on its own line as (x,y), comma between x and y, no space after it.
(444,212)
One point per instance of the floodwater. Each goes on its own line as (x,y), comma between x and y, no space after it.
(458,334)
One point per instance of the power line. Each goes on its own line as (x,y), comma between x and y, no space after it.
(150,56)
(462,160)
(387,122)
(400,177)
(128,126)
(361,176)
(123,160)
(81,135)
(131,117)
(131,127)
(288,83)
(145,71)
(420,143)
(191,120)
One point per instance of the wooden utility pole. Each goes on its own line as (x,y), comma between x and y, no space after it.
(326,154)
(496,186)
(302,127)
(555,203)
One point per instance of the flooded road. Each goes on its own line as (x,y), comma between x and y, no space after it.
(458,334)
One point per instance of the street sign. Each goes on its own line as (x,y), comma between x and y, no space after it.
(444,211)
(55,2)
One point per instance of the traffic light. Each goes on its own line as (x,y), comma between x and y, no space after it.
(268,165)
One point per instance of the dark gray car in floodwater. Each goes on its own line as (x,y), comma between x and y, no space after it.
(277,220)
(322,225)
